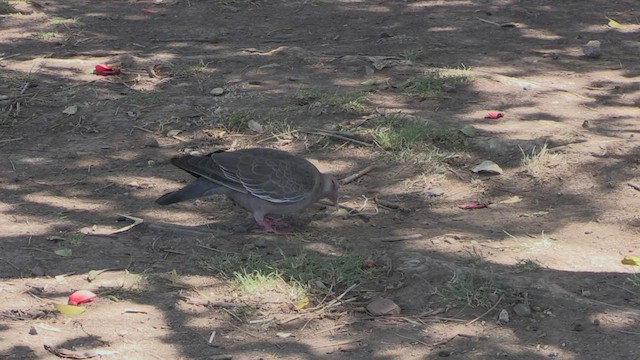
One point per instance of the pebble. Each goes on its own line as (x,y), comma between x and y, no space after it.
(261,243)
(151,142)
(522,310)
(503,318)
(382,306)
(592,49)
(217,91)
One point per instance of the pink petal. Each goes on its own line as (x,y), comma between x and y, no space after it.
(81,296)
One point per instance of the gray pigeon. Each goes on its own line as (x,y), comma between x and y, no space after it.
(262,181)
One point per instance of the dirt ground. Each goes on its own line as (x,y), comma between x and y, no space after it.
(80,149)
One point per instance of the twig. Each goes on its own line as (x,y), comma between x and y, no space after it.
(486,312)
(398,238)
(330,134)
(10,263)
(136,221)
(338,344)
(214,40)
(412,339)
(488,22)
(634,185)
(182,228)
(391,205)
(143,129)
(10,140)
(446,341)
(335,327)
(216,250)
(460,177)
(623,288)
(357,175)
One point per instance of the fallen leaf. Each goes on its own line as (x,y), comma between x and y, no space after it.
(488,166)
(64,252)
(469,131)
(512,200)
(70,110)
(614,24)
(69,309)
(631,260)
(302,302)
(255,126)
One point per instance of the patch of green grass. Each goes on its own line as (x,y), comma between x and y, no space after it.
(63,21)
(6,8)
(186,70)
(414,54)
(471,289)
(527,265)
(423,143)
(235,121)
(76,239)
(354,103)
(144,98)
(476,257)
(434,82)
(304,273)
(45,35)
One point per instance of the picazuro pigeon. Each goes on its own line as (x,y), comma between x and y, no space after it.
(262,181)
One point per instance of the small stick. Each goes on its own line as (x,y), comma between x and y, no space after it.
(182,228)
(488,22)
(328,134)
(391,205)
(10,263)
(486,312)
(136,221)
(338,344)
(412,339)
(213,335)
(214,40)
(335,327)
(623,288)
(174,252)
(260,321)
(143,129)
(357,175)
(634,185)
(216,250)
(10,140)
(398,238)
(460,177)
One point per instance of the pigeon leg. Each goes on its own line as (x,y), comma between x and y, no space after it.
(276,226)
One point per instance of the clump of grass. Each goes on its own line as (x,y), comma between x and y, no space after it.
(186,70)
(526,265)
(303,274)
(537,162)
(6,8)
(354,103)
(423,143)
(45,35)
(144,98)
(471,289)
(63,21)
(434,82)
(414,54)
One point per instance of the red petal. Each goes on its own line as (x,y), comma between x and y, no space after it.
(473,205)
(104,70)
(81,296)
(493,115)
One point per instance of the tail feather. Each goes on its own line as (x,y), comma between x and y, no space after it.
(199,188)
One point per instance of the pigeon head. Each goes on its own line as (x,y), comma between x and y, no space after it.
(330,188)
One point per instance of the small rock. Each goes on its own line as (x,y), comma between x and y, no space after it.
(33,331)
(37,271)
(494,297)
(151,163)
(592,49)
(172,133)
(444,353)
(382,306)
(522,310)
(217,91)
(261,243)
(596,322)
(577,327)
(384,34)
(503,318)
(151,142)
(434,192)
